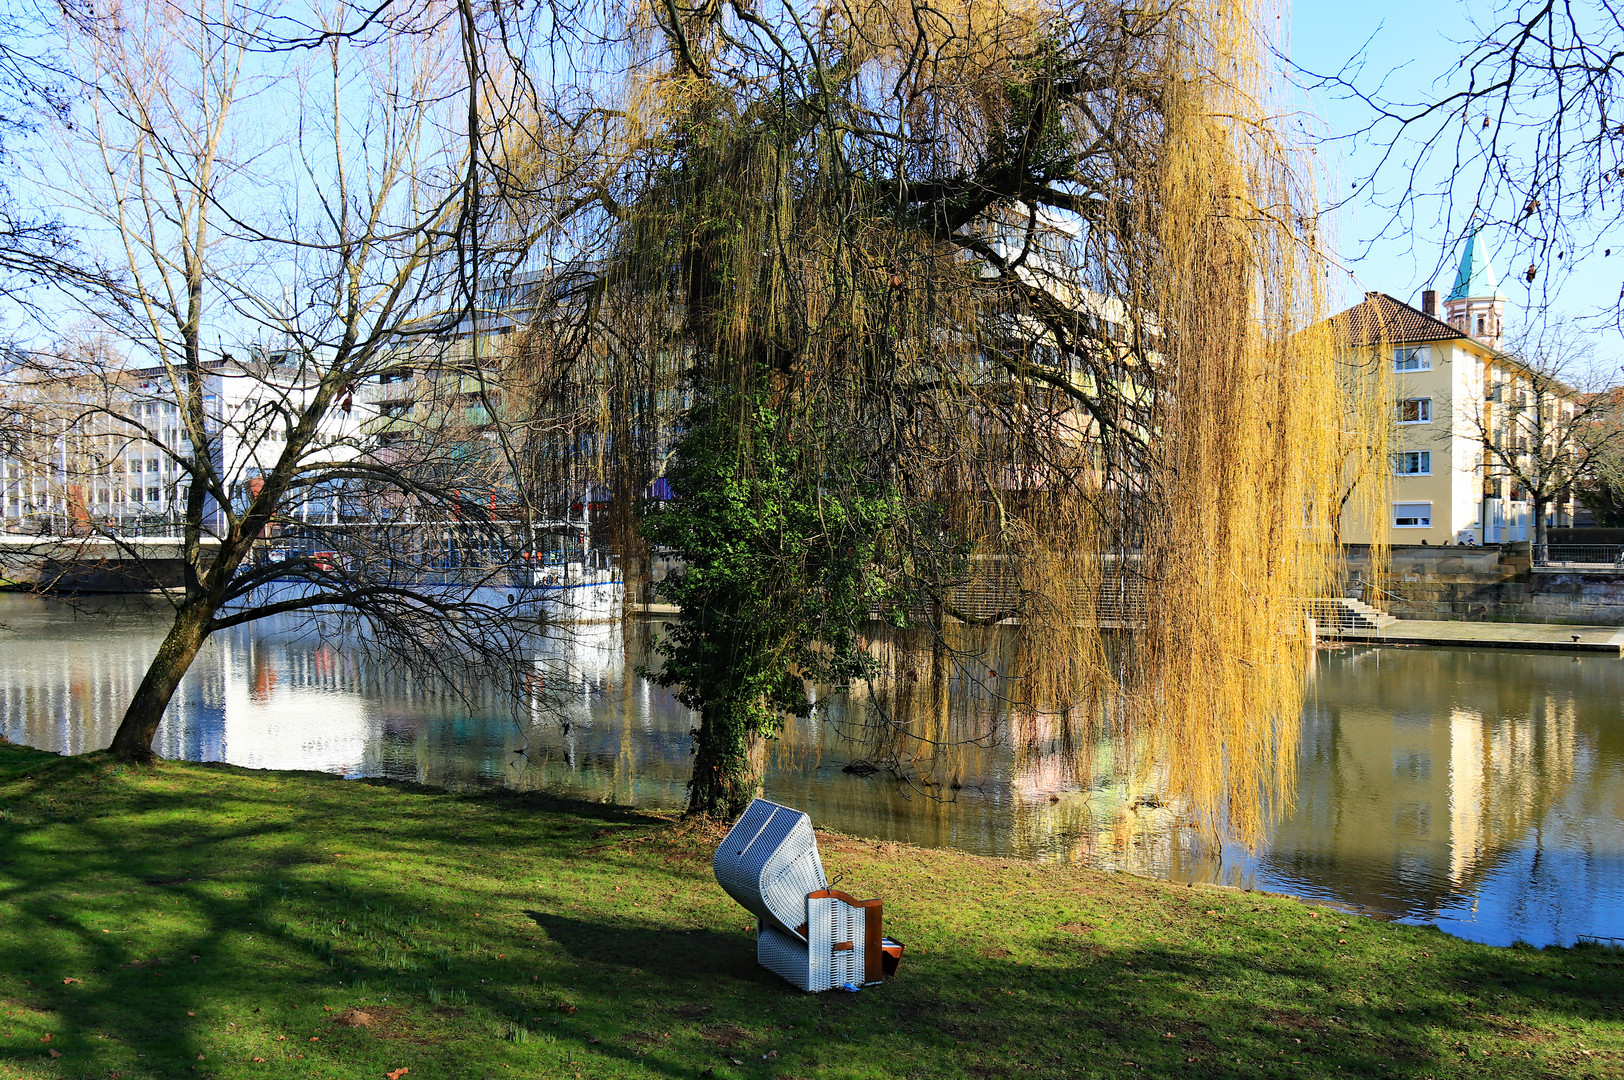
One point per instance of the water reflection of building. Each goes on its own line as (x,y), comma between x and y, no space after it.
(1401,806)
(292,708)
(67,678)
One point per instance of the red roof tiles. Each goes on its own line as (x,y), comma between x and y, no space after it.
(1380,318)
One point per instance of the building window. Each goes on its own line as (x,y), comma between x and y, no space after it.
(1412,463)
(135,494)
(1412,358)
(1412,515)
(152,494)
(1416,410)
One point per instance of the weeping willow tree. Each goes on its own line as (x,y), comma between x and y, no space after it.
(951,313)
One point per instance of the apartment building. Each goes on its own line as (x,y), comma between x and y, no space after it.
(1454,389)
(96,446)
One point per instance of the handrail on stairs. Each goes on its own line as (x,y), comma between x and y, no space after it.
(1383,593)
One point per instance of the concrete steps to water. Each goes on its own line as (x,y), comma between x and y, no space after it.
(1345,613)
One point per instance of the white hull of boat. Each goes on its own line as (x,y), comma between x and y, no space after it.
(589,597)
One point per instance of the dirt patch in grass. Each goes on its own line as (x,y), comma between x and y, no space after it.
(1511,1029)
(1292,1020)
(727,1036)
(355,1018)
(649,1038)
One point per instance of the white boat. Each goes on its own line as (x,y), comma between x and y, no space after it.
(560,582)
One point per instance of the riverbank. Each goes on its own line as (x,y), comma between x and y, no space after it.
(1551,637)
(1495,583)
(208,921)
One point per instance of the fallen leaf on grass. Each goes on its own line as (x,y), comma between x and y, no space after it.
(259,1059)
(68,980)
(397,1073)
(46,1038)
(566,1009)
(736,1061)
(315,1038)
(54,1052)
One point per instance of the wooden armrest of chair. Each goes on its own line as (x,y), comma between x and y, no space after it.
(873,915)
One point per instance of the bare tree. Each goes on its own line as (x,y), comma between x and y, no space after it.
(306,395)
(1521,133)
(37,249)
(1602,490)
(1548,425)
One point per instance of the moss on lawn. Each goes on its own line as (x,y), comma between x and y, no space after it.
(204,921)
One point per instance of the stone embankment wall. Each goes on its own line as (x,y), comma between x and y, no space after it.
(1495,583)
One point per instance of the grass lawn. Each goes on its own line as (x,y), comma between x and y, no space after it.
(202,921)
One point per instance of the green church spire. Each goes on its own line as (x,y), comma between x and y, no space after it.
(1475,278)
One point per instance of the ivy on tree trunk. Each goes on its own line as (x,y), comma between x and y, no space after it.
(778,576)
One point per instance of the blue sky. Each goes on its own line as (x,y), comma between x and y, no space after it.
(1409,45)
(1406,47)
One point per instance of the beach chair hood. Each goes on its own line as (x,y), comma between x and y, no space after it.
(769,863)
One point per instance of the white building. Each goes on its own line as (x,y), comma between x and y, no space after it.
(109,450)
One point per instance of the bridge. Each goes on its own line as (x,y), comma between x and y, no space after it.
(92,563)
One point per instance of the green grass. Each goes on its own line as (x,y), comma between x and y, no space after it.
(199,921)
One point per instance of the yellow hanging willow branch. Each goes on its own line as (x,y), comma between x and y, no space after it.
(1051,274)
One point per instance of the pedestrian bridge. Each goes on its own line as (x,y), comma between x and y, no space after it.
(93,563)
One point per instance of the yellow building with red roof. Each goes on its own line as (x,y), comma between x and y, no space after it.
(1453,388)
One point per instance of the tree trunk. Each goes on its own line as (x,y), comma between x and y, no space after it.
(1541,543)
(725,780)
(133,740)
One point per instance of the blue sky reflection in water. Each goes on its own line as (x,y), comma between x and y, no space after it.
(1481,791)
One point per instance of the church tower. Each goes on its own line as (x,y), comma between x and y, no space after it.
(1476,306)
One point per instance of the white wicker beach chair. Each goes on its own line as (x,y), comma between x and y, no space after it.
(810,934)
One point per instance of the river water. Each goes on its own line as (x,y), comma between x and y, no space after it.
(1480,791)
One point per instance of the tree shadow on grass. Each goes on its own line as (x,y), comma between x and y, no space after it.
(654,951)
(150,940)
(483,922)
